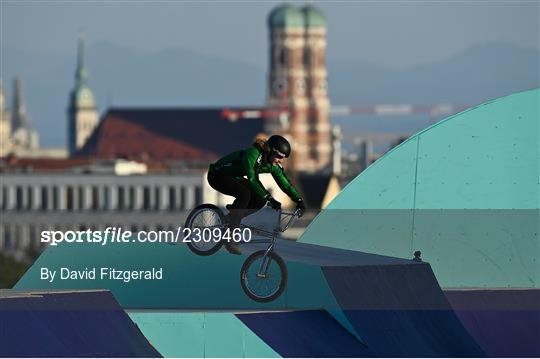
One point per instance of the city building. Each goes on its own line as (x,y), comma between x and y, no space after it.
(84,193)
(22,133)
(5,125)
(191,136)
(16,133)
(297,107)
(82,111)
(145,168)
(297,85)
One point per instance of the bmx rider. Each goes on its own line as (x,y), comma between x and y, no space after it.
(237,175)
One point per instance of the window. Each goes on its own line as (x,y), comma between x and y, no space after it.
(44,198)
(307,57)
(121,198)
(107,202)
(30,203)
(4,197)
(157,198)
(70,198)
(198,195)
(146,198)
(8,237)
(56,205)
(172,198)
(81,198)
(282,56)
(19,198)
(131,197)
(95,198)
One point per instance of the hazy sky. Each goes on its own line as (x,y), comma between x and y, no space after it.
(391,33)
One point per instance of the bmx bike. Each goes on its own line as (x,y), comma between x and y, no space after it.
(263,276)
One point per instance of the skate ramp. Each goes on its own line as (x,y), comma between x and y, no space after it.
(305,334)
(400,311)
(504,322)
(464,191)
(324,283)
(68,324)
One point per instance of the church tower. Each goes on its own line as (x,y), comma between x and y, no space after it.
(22,134)
(82,112)
(5,124)
(319,136)
(297,85)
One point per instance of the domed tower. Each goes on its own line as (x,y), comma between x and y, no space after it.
(286,80)
(297,85)
(319,139)
(82,112)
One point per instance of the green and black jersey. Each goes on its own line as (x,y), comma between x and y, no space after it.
(250,162)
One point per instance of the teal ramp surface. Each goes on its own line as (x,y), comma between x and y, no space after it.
(201,334)
(465,192)
(207,284)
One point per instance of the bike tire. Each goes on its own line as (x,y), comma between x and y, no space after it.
(189,224)
(244,276)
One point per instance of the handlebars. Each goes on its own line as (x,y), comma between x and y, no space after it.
(281,212)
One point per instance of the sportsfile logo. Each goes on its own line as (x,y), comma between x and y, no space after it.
(119,235)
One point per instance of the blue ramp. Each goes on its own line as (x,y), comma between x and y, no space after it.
(330,291)
(68,324)
(504,322)
(305,334)
(400,311)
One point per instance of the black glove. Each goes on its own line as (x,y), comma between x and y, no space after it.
(301,207)
(273,203)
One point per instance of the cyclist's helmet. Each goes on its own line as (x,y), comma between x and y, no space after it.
(279,146)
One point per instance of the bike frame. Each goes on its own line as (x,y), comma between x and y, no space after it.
(272,236)
(287,216)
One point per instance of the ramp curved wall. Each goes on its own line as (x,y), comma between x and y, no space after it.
(465,192)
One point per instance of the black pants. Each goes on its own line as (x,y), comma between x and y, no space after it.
(246,200)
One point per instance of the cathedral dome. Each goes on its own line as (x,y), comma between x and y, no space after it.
(313,17)
(285,15)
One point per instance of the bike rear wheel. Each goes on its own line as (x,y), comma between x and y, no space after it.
(263,276)
(201,217)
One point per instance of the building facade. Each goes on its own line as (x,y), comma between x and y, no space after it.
(33,202)
(64,200)
(297,85)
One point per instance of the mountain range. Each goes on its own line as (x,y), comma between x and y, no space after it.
(120,76)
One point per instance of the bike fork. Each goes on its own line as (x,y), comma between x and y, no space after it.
(263,270)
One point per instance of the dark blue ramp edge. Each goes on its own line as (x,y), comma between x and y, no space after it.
(306,333)
(325,256)
(504,322)
(68,324)
(400,311)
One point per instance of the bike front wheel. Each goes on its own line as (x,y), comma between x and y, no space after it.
(205,216)
(263,276)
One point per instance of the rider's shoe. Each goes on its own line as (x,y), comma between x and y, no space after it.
(233,248)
